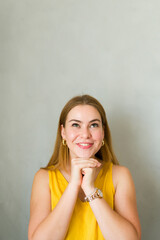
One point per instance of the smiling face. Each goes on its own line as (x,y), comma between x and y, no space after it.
(83,131)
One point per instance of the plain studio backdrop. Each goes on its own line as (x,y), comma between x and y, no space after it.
(53,50)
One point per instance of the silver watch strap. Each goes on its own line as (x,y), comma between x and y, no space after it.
(96,194)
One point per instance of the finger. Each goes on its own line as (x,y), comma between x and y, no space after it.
(82,160)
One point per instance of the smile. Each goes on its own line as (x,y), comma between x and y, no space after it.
(84,145)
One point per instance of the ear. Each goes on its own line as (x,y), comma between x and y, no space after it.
(63,131)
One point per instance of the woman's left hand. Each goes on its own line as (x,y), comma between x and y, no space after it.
(89,177)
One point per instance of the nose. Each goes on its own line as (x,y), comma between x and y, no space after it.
(85,132)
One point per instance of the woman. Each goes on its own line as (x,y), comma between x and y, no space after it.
(83,193)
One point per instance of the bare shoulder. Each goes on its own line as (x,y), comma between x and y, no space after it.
(40,186)
(120,170)
(120,174)
(41,176)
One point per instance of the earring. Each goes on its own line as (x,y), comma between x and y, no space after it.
(64,142)
(102,143)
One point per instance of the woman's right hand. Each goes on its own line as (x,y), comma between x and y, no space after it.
(77,164)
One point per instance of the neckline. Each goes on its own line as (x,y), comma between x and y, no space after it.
(102,168)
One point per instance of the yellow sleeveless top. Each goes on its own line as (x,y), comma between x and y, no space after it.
(83,225)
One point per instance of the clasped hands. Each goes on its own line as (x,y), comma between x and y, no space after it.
(84,172)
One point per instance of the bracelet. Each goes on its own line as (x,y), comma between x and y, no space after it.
(96,194)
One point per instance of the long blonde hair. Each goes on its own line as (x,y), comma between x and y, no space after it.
(60,156)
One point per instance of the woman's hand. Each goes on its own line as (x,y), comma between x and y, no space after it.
(83,172)
(89,177)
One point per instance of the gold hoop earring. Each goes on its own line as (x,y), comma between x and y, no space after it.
(64,142)
(102,143)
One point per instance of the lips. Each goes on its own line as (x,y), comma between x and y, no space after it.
(85,145)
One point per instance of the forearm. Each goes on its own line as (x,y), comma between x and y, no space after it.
(55,225)
(112,225)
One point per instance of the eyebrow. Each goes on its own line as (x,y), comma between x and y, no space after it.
(94,120)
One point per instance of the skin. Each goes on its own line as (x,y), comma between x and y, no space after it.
(84,133)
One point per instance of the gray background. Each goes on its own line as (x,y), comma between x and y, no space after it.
(53,50)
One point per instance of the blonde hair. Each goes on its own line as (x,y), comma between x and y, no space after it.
(60,156)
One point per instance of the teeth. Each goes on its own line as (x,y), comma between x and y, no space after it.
(84,144)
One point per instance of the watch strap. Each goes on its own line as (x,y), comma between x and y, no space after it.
(96,194)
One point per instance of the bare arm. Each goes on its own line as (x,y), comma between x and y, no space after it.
(121,223)
(44,223)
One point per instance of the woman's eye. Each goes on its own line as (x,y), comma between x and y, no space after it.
(94,125)
(75,125)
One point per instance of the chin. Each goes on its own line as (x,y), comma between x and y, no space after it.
(85,155)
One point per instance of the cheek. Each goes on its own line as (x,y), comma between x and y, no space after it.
(98,135)
(71,134)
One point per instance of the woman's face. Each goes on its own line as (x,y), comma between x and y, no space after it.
(83,131)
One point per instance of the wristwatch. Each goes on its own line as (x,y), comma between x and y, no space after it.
(96,194)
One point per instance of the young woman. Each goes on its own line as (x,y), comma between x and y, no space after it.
(83,193)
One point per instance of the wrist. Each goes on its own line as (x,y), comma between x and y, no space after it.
(89,190)
(74,187)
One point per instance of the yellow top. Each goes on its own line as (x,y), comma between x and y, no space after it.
(83,225)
